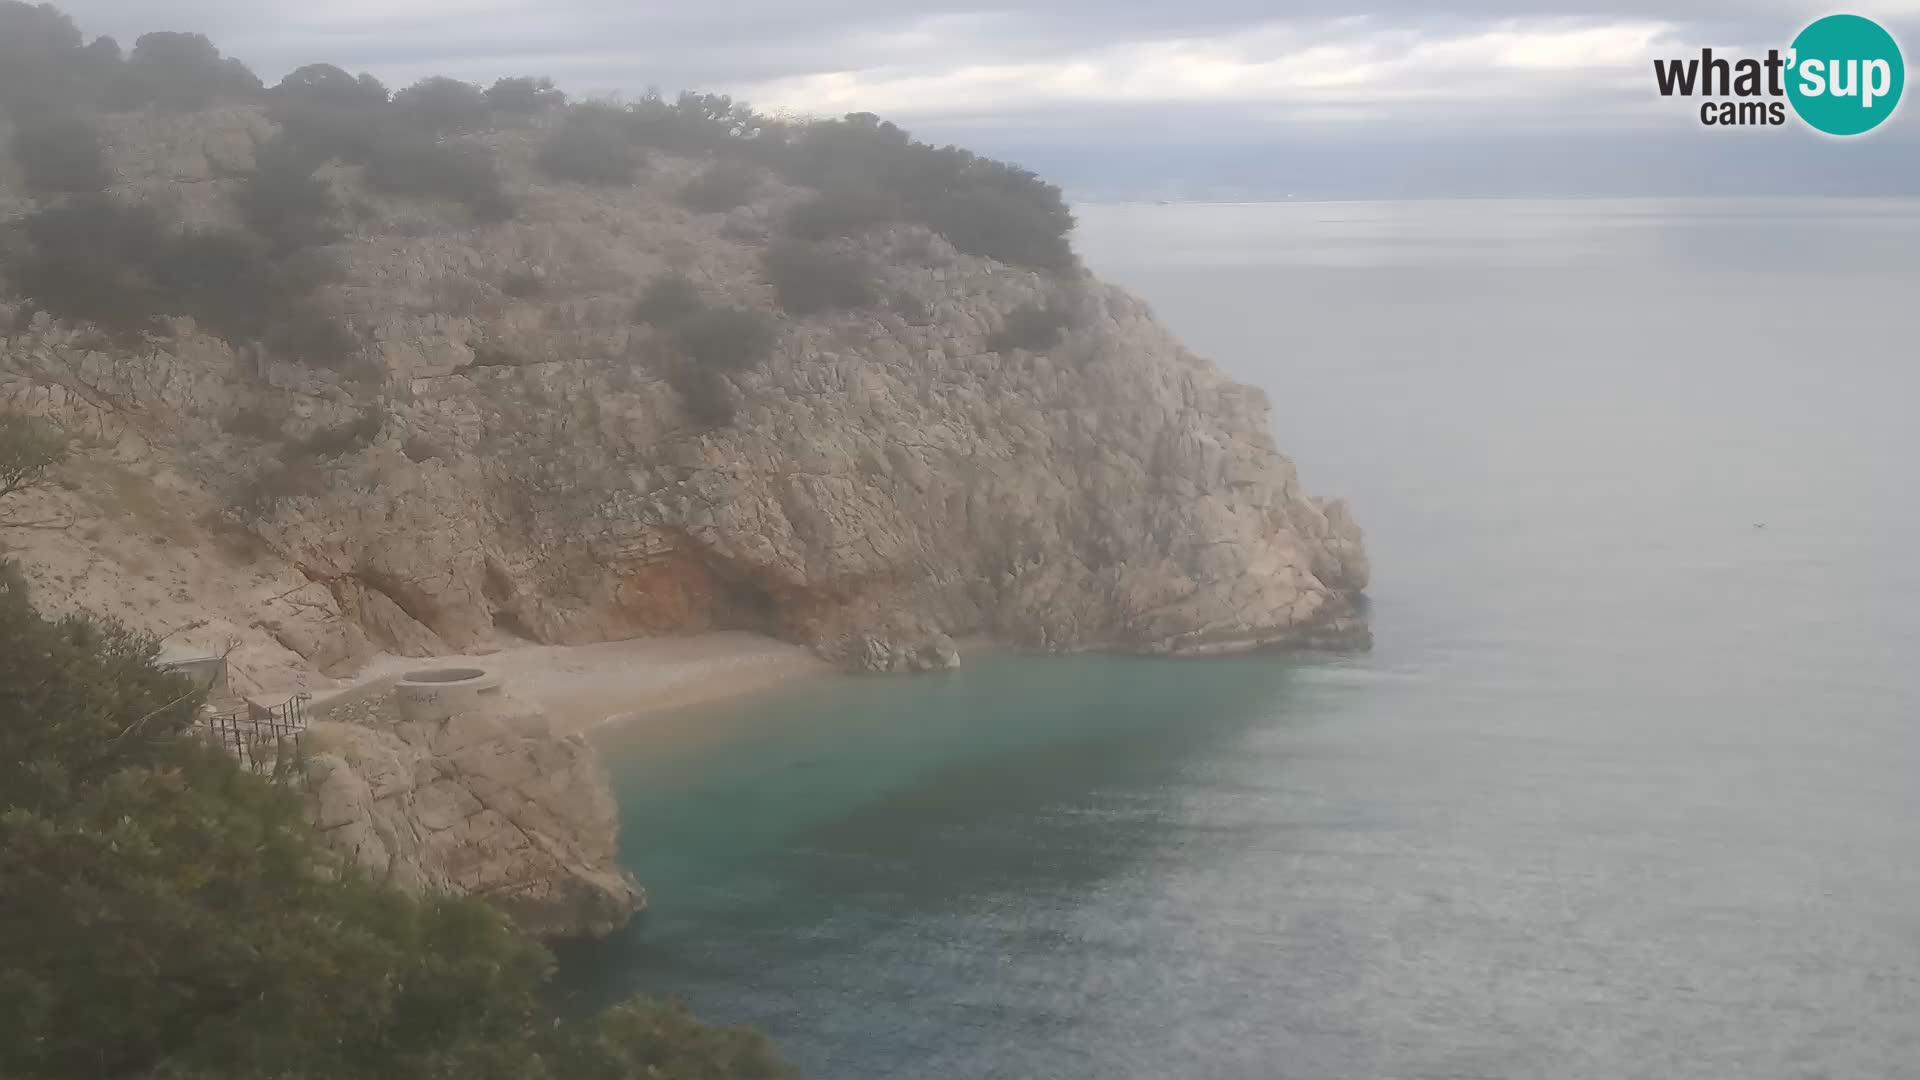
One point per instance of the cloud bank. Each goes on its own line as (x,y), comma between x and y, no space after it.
(1077,80)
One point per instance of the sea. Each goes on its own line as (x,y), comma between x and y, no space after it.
(1628,787)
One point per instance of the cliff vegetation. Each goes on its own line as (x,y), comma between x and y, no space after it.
(165,913)
(481,364)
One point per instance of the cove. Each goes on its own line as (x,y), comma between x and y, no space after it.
(864,852)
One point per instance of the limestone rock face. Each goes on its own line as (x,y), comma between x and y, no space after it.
(489,803)
(905,653)
(894,475)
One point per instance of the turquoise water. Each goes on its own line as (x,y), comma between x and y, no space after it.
(1629,787)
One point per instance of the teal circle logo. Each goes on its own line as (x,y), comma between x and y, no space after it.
(1845,75)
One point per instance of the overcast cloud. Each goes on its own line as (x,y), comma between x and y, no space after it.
(1089,89)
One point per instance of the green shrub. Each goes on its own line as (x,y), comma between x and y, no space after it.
(845,208)
(1031,327)
(1007,214)
(409,166)
(44,67)
(170,914)
(96,260)
(91,259)
(707,392)
(222,277)
(810,278)
(591,147)
(869,171)
(696,124)
(438,106)
(662,1039)
(182,73)
(723,186)
(60,155)
(328,113)
(729,338)
(285,202)
(524,97)
(667,299)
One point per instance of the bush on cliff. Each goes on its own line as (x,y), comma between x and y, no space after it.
(409,165)
(285,202)
(523,97)
(707,392)
(45,65)
(732,339)
(119,266)
(812,277)
(723,186)
(169,914)
(438,106)
(667,299)
(328,113)
(591,147)
(1032,327)
(870,171)
(182,73)
(695,125)
(60,155)
(92,259)
(847,207)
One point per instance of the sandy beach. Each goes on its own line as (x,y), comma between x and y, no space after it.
(584,686)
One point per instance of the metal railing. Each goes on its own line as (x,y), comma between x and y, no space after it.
(266,740)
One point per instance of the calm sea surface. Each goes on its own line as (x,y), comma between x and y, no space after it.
(1630,787)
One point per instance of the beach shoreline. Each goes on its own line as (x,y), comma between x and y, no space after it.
(584,687)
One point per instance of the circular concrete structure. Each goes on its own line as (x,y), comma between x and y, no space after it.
(433,694)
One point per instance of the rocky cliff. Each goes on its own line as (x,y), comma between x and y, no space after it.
(524,464)
(489,802)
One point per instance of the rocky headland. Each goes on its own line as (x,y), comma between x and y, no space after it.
(489,801)
(506,450)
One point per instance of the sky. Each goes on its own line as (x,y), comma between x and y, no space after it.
(1128,98)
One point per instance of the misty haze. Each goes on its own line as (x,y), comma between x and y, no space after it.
(915,540)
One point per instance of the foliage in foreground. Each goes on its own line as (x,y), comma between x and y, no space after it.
(164,913)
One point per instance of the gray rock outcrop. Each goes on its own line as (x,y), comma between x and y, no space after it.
(891,479)
(489,803)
